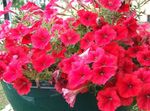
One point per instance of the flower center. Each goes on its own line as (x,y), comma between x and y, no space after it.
(130,86)
(105,36)
(110,98)
(148,96)
(69,38)
(101,73)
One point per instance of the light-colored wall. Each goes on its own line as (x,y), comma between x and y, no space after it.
(145,8)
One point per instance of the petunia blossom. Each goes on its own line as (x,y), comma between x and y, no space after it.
(40,38)
(105,35)
(112,5)
(42,62)
(79,76)
(70,37)
(129,86)
(87,18)
(103,74)
(12,72)
(143,99)
(108,100)
(22,85)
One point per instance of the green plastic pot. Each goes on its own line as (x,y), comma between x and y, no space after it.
(48,99)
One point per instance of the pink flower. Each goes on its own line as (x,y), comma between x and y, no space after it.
(103,74)
(40,38)
(70,96)
(66,64)
(70,37)
(79,75)
(131,24)
(106,61)
(122,32)
(129,84)
(12,72)
(108,100)
(115,49)
(112,5)
(95,55)
(126,65)
(20,54)
(144,57)
(7,9)
(42,62)
(49,10)
(105,35)
(87,18)
(87,40)
(22,85)
(4,29)
(143,99)
(143,75)
(133,51)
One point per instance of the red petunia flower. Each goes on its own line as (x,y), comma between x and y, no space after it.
(70,37)
(95,55)
(131,24)
(40,38)
(126,65)
(20,54)
(122,32)
(129,86)
(143,99)
(87,40)
(114,49)
(66,64)
(79,76)
(22,85)
(87,18)
(144,57)
(143,75)
(105,35)
(42,62)
(112,5)
(102,74)
(106,61)
(108,100)
(133,51)
(13,72)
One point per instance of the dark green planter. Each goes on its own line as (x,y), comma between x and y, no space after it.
(48,100)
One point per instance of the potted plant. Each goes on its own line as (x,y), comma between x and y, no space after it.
(94,53)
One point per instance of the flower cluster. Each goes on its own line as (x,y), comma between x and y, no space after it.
(101,46)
